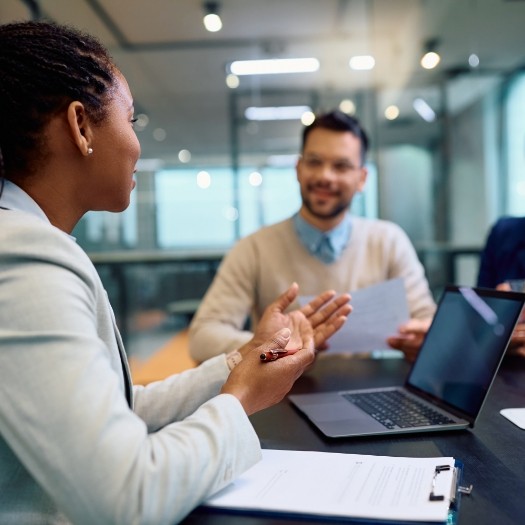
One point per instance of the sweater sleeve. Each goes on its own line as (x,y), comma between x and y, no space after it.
(218,325)
(405,263)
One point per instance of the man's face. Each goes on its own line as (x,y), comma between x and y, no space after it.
(329,173)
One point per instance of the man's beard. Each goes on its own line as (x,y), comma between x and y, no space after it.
(330,214)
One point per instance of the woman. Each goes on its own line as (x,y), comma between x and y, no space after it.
(78,442)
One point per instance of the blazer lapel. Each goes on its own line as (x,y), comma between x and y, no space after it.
(125,367)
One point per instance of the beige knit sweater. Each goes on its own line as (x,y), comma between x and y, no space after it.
(264,264)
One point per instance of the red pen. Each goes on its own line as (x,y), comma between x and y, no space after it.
(272,355)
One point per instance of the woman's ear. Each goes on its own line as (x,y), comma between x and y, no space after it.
(80,127)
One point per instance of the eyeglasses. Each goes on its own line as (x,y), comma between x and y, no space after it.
(339,167)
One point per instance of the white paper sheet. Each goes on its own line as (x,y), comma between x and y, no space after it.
(378,311)
(350,485)
(516,415)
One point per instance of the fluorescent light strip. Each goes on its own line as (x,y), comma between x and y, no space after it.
(424,110)
(276,113)
(362,63)
(274,66)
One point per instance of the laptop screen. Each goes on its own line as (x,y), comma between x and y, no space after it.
(464,346)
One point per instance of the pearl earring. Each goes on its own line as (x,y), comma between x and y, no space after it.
(90,151)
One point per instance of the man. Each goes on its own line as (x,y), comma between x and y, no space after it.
(321,247)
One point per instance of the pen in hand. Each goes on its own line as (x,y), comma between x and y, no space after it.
(272,355)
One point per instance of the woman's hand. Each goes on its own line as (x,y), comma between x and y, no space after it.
(258,384)
(326,320)
(325,315)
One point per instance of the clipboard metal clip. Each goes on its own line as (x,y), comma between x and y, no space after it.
(461,489)
(465,490)
(433,496)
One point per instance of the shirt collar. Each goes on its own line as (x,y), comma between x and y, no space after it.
(311,237)
(15,198)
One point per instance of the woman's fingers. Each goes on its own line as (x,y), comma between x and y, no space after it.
(337,307)
(285,299)
(315,304)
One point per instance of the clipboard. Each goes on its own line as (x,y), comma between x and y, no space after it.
(325,486)
(459,489)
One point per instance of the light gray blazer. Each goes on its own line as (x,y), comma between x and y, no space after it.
(71,448)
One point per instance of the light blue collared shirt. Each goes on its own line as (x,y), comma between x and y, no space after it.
(326,246)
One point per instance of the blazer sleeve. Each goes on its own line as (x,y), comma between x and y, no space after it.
(153,403)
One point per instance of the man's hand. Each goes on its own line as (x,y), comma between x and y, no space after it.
(517,340)
(410,337)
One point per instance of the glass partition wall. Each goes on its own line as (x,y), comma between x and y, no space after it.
(446,157)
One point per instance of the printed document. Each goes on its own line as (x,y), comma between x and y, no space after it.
(343,485)
(378,312)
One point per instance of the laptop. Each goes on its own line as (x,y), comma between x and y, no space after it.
(448,382)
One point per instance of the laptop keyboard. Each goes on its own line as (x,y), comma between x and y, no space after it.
(395,409)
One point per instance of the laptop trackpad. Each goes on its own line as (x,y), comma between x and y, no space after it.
(328,407)
(335,416)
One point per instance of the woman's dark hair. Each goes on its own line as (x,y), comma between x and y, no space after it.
(43,68)
(338,121)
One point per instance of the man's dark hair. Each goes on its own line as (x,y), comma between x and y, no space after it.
(43,68)
(338,121)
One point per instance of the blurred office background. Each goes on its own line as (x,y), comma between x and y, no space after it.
(219,145)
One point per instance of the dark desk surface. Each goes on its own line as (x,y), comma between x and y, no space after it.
(493,452)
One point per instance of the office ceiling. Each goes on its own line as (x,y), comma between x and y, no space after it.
(177,70)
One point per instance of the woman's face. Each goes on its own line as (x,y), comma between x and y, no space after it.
(116,151)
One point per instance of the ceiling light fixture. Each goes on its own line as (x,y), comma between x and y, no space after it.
(34,8)
(392,112)
(347,106)
(473,60)
(274,66)
(232,81)
(431,57)
(184,156)
(276,113)
(212,21)
(203,179)
(307,118)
